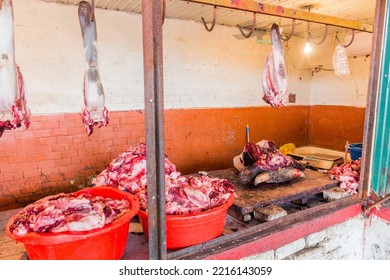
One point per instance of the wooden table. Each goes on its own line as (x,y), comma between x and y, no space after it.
(251,197)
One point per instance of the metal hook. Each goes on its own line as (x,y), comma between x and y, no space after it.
(92,15)
(347,45)
(291,33)
(253,27)
(214,20)
(163,12)
(323,38)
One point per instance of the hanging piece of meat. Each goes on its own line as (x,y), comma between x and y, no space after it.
(94,111)
(274,73)
(13,109)
(265,162)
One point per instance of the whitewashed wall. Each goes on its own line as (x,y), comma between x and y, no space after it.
(328,89)
(201,69)
(359,238)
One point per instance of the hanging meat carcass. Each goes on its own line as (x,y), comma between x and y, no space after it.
(13,109)
(274,73)
(94,111)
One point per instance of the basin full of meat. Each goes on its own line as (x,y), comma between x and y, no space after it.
(196,206)
(90,224)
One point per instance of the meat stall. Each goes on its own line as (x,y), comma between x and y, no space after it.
(291,185)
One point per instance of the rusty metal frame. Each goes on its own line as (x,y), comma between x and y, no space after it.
(372,95)
(154,129)
(279,11)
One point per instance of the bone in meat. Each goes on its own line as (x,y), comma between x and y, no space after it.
(13,109)
(274,73)
(94,111)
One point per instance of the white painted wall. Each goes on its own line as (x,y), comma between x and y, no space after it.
(359,238)
(201,69)
(328,89)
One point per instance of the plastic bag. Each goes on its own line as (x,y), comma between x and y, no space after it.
(340,62)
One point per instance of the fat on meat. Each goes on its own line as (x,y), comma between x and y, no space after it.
(13,109)
(183,195)
(348,175)
(94,111)
(68,212)
(274,73)
(263,156)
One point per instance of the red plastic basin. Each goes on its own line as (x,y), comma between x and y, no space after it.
(187,230)
(107,243)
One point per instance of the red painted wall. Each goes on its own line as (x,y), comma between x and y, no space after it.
(56,155)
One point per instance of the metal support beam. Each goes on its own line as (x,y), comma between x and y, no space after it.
(279,11)
(372,96)
(154,128)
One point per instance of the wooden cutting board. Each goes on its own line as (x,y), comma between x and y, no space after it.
(250,197)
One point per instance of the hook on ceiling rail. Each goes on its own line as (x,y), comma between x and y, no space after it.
(92,15)
(251,31)
(286,38)
(323,38)
(347,45)
(214,20)
(163,12)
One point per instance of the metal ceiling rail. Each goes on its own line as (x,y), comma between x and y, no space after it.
(279,11)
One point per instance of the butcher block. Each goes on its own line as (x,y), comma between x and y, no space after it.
(250,197)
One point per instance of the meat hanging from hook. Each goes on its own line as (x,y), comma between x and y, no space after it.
(209,29)
(286,38)
(251,31)
(347,45)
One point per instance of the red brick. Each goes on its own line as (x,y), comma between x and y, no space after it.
(10,168)
(26,134)
(45,164)
(31,173)
(53,155)
(70,153)
(47,141)
(64,139)
(49,171)
(59,132)
(42,133)
(36,157)
(63,161)
(28,165)
(60,147)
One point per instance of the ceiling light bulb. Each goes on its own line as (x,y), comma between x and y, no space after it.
(308,47)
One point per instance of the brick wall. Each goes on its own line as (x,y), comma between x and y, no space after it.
(55,154)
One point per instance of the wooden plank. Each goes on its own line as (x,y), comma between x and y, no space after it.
(251,197)
(279,11)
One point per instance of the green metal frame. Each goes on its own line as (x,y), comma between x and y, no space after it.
(380,171)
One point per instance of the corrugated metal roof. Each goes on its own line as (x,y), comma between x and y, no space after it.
(362,10)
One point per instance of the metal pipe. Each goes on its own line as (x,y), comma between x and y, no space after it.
(154,130)
(372,95)
(279,11)
(380,201)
